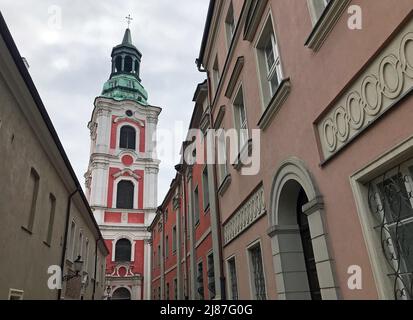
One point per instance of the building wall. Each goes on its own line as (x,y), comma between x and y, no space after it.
(109,165)
(18,245)
(263,208)
(291,131)
(194,239)
(92,280)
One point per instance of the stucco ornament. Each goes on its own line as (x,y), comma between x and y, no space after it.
(384,82)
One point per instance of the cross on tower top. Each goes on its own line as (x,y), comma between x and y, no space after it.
(129,20)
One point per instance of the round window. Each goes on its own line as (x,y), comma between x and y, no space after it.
(129,113)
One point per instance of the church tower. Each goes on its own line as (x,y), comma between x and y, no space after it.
(121,181)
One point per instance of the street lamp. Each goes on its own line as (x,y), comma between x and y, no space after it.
(108,291)
(78,264)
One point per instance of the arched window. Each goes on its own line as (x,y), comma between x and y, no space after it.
(118,64)
(137,67)
(121,294)
(127,138)
(123,250)
(128,64)
(124,196)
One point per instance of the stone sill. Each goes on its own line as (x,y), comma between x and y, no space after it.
(243,154)
(224,185)
(277,100)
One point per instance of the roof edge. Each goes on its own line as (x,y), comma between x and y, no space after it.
(206,32)
(17,59)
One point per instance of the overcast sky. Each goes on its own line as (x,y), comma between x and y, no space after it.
(69,62)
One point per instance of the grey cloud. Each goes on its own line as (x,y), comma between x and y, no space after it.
(168,33)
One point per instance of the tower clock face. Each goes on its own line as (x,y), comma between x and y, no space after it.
(129,113)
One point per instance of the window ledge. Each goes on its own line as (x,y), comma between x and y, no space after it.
(26,230)
(277,100)
(256,10)
(243,154)
(69,263)
(46,244)
(325,23)
(224,185)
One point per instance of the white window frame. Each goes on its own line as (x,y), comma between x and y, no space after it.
(230,27)
(215,74)
(80,244)
(137,137)
(196,205)
(174,239)
(19,294)
(102,273)
(135,194)
(404,170)
(73,228)
(86,259)
(222,155)
(251,271)
(241,125)
(168,293)
(123,236)
(229,284)
(200,262)
(205,188)
(175,282)
(359,184)
(210,254)
(314,13)
(158,256)
(264,72)
(167,247)
(275,69)
(52,215)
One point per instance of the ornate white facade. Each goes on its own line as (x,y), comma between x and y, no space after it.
(121,180)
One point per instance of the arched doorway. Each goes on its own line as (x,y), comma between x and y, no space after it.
(302,263)
(121,294)
(308,251)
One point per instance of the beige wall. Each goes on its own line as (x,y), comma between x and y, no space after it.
(73,289)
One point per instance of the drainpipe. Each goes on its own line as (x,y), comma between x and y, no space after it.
(62,261)
(219,231)
(180,170)
(217,207)
(163,262)
(185,234)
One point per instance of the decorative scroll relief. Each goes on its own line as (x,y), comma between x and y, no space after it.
(383,84)
(250,212)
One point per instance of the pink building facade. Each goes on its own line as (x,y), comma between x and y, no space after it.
(316,202)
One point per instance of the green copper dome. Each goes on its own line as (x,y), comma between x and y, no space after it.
(124,82)
(125,87)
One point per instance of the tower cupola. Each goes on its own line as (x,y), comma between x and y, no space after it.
(124,82)
(126,58)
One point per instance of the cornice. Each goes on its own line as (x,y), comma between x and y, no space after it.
(275,104)
(257,12)
(239,65)
(326,23)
